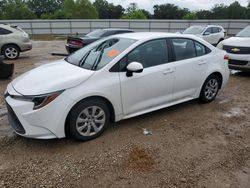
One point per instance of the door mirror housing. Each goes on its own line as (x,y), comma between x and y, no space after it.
(134,67)
(207,33)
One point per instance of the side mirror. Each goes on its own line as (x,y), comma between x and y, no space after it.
(134,67)
(207,33)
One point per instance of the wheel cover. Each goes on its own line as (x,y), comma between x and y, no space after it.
(211,89)
(90,121)
(11,53)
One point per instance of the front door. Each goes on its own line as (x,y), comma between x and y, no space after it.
(153,86)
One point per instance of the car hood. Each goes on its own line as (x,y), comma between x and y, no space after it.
(237,41)
(50,78)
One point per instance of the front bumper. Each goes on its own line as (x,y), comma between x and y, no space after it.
(45,123)
(239,61)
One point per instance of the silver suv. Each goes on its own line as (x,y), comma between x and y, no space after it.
(13,40)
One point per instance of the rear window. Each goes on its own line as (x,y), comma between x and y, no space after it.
(4,31)
(187,48)
(184,49)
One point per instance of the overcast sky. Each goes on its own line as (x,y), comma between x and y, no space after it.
(191,4)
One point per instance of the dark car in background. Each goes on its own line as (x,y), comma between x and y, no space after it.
(76,42)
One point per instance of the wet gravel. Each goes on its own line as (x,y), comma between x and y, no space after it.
(193,145)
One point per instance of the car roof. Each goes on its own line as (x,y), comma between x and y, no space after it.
(206,26)
(152,35)
(116,29)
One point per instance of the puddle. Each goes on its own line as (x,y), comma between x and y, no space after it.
(234,112)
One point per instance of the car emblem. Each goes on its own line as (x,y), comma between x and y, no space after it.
(235,49)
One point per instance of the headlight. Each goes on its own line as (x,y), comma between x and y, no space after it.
(220,46)
(40,100)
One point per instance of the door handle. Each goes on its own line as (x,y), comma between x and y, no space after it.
(168,71)
(202,62)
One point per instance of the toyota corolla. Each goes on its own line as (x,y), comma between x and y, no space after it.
(115,78)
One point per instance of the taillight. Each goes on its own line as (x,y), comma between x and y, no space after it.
(226,57)
(75,42)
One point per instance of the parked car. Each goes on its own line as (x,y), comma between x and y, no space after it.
(115,78)
(13,40)
(77,42)
(210,33)
(238,49)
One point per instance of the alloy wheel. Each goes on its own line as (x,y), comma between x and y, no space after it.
(90,121)
(211,89)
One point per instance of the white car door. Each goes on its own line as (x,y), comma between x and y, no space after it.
(153,86)
(208,35)
(217,35)
(190,66)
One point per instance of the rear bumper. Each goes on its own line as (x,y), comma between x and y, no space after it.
(70,49)
(25,46)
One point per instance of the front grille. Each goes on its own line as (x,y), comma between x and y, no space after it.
(237,62)
(236,50)
(15,123)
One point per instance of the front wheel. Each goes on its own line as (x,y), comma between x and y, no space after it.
(88,119)
(210,89)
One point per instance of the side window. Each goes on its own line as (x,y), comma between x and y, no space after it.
(215,30)
(200,49)
(184,49)
(150,54)
(4,31)
(209,30)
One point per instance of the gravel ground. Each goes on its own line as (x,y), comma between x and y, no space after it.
(192,145)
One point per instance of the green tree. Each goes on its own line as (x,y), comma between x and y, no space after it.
(236,11)
(40,7)
(79,9)
(147,14)
(132,12)
(204,14)
(169,11)
(108,10)
(17,9)
(219,11)
(190,16)
(137,14)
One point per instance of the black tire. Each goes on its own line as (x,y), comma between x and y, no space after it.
(209,93)
(79,111)
(11,51)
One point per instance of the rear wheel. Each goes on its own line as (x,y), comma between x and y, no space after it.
(210,89)
(11,52)
(88,119)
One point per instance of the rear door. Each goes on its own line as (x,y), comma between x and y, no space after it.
(190,66)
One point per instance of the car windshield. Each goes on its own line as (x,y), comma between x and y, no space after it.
(96,33)
(100,53)
(244,33)
(194,30)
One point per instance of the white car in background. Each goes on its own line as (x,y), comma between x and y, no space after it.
(213,34)
(13,40)
(238,49)
(114,78)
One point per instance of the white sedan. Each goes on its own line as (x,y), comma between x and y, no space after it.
(115,78)
(238,49)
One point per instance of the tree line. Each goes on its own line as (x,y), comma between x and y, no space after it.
(102,9)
